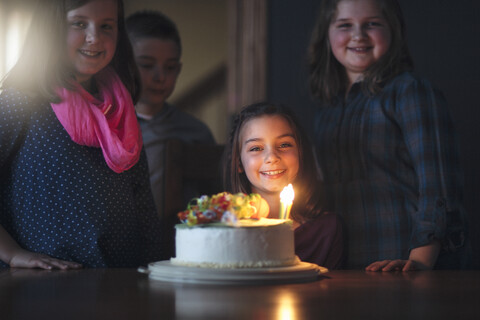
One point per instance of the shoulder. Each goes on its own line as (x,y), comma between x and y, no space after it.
(15,104)
(173,123)
(328,225)
(13,98)
(326,219)
(408,83)
(186,117)
(330,216)
(188,122)
(408,92)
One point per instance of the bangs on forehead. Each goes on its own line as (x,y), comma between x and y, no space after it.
(74,4)
(291,124)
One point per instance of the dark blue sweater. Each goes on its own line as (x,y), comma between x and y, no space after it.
(61,198)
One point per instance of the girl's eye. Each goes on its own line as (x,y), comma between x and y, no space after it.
(171,69)
(253,149)
(145,66)
(78,24)
(108,26)
(344,26)
(285,145)
(373,24)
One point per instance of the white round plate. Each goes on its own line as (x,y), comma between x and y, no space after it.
(301,272)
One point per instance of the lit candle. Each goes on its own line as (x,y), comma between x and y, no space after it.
(286,200)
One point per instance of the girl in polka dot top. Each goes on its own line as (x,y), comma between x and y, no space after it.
(74,181)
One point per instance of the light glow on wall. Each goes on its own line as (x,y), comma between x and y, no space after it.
(13,30)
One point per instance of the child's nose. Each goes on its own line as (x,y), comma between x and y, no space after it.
(92,35)
(358,33)
(159,74)
(272,156)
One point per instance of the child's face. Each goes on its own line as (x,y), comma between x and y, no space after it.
(91,37)
(159,64)
(269,153)
(359,35)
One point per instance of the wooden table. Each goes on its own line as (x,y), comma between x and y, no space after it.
(128,294)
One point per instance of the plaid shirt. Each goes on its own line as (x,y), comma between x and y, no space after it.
(391,168)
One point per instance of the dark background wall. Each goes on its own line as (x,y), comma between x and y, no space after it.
(444,39)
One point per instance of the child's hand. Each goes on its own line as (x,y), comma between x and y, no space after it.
(396,265)
(27,259)
(421,258)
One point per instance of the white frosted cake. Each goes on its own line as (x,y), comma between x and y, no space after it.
(250,244)
(219,232)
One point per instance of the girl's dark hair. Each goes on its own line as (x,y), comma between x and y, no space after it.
(328,77)
(152,24)
(43,65)
(308,192)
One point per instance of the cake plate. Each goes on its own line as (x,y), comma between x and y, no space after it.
(299,273)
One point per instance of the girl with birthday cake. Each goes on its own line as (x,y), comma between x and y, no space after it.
(267,151)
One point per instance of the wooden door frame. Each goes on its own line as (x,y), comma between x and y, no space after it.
(247,53)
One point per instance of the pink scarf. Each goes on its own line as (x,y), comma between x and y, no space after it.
(110,124)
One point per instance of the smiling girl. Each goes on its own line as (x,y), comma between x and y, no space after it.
(267,151)
(75,189)
(385,142)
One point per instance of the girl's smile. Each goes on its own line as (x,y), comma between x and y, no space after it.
(269,153)
(359,49)
(359,36)
(273,173)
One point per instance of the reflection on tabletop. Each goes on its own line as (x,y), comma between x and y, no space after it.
(128,294)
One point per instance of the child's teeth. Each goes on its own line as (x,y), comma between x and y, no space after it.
(88,53)
(273,172)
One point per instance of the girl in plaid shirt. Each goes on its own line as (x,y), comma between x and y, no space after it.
(385,142)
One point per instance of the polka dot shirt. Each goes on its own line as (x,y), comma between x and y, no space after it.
(61,198)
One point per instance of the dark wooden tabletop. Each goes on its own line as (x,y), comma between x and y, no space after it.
(128,294)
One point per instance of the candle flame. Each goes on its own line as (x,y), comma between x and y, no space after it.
(287,195)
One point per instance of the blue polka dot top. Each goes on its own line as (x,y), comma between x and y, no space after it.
(61,199)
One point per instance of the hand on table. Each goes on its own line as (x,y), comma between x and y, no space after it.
(396,265)
(420,258)
(27,259)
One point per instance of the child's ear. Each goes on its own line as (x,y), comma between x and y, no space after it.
(240,168)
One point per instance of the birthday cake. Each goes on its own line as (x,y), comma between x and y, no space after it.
(230,231)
